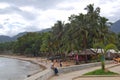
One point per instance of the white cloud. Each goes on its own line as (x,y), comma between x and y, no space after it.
(12,24)
(33,15)
(3,5)
(111,10)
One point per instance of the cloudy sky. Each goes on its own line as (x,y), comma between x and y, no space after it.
(33,15)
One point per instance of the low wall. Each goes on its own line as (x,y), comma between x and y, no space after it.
(43,75)
(46,74)
(80,67)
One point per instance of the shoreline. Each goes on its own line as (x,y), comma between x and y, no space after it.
(24,58)
(28,59)
(42,62)
(47,73)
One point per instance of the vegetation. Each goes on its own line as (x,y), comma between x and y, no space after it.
(6,46)
(83,31)
(104,49)
(101,72)
(118,41)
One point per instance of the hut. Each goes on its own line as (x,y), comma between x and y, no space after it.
(87,54)
(111,53)
(82,55)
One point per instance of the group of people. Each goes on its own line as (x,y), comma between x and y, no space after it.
(54,67)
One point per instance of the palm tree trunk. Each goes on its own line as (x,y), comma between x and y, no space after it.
(85,44)
(103,63)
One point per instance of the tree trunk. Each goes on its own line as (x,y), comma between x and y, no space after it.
(85,44)
(102,62)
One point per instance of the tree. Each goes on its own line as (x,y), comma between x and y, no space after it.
(6,46)
(118,40)
(28,44)
(46,46)
(104,48)
(83,25)
(57,36)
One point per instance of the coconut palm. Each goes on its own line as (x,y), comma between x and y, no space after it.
(57,32)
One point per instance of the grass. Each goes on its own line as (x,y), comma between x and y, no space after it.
(101,72)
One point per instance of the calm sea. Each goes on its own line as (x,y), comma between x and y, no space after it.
(13,69)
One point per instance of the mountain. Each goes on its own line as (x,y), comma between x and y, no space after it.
(5,38)
(116,27)
(45,30)
(8,39)
(18,35)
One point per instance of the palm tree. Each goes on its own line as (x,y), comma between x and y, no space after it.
(103,37)
(82,26)
(104,49)
(57,32)
(91,21)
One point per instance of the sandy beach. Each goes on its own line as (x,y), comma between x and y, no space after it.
(39,60)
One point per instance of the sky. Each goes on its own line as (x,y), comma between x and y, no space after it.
(34,15)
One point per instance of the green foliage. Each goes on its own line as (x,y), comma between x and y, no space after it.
(99,45)
(45,42)
(6,46)
(111,46)
(118,41)
(101,72)
(29,43)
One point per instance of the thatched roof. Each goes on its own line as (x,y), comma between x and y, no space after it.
(98,50)
(84,52)
(102,51)
(87,52)
(111,51)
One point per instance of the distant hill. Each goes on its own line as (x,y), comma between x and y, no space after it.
(116,27)
(5,38)
(45,30)
(18,35)
(8,39)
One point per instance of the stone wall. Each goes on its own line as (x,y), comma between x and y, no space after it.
(80,67)
(46,74)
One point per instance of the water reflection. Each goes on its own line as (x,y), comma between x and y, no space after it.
(13,69)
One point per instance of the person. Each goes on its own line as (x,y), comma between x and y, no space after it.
(60,63)
(52,65)
(54,68)
(76,58)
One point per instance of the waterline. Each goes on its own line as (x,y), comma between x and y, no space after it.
(14,69)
